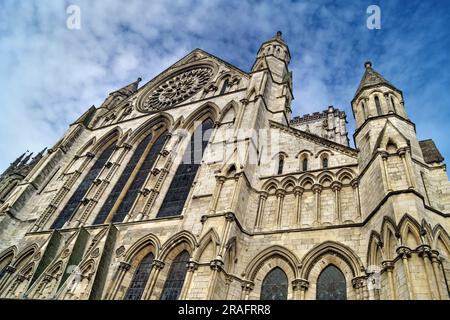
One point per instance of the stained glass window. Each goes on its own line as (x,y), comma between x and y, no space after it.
(175,278)
(82,189)
(331,285)
(184,177)
(136,185)
(275,285)
(140,278)
(378,105)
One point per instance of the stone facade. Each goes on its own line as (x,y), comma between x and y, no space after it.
(301,202)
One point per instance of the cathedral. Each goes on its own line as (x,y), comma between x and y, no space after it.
(201,185)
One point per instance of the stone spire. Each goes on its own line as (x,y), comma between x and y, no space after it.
(372,78)
(129,89)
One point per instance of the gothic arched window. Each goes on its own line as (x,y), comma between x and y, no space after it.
(363,108)
(280,164)
(140,278)
(175,278)
(378,105)
(184,177)
(149,154)
(275,285)
(83,188)
(325,162)
(305,164)
(331,284)
(224,86)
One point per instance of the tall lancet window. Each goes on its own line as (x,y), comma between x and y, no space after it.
(275,285)
(141,163)
(83,188)
(175,278)
(181,184)
(331,285)
(280,164)
(140,278)
(325,162)
(393,105)
(224,86)
(305,164)
(363,108)
(378,106)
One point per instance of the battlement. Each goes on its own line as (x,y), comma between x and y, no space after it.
(329,124)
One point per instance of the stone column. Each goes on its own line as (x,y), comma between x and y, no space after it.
(355,186)
(317,189)
(157,266)
(124,267)
(358,284)
(261,205)
(425,253)
(402,153)
(280,199)
(405,254)
(336,187)
(298,192)
(388,103)
(229,218)
(299,287)
(247,287)
(216,266)
(438,273)
(384,170)
(388,266)
(220,182)
(9,270)
(192,266)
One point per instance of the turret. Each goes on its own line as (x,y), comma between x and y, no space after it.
(375,97)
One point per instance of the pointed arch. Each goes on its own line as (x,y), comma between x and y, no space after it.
(288,182)
(374,252)
(274,251)
(334,248)
(440,234)
(307,179)
(147,240)
(275,285)
(328,152)
(207,110)
(230,109)
(270,185)
(184,238)
(325,176)
(408,227)
(345,174)
(161,119)
(25,255)
(389,233)
(87,146)
(210,237)
(107,139)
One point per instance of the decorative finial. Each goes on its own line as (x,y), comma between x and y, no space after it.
(368,64)
(279,34)
(139,79)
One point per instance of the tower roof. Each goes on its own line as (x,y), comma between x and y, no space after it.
(372,78)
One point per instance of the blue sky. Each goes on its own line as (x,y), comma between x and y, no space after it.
(49,75)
